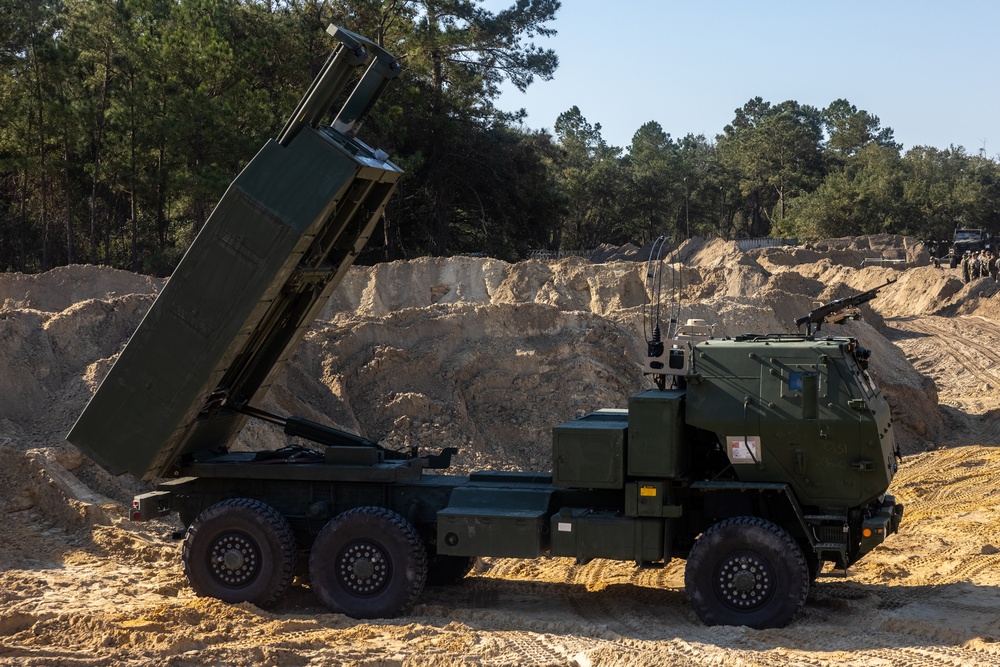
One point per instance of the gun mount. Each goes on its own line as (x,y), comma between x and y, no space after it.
(838,310)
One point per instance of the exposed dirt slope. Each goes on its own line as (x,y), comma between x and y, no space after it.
(487,356)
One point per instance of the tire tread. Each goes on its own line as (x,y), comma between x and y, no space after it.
(713,613)
(271,519)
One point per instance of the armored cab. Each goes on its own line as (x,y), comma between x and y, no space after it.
(798,409)
(802,411)
(770,452)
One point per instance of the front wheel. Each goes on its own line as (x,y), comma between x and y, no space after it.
(240,550)
(746,571)
(368,562)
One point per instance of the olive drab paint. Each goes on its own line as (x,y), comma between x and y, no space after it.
(762,458)
(277,244)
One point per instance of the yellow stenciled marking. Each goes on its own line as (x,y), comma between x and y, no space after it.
(647,491)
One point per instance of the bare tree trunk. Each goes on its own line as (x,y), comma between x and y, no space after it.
(133,214)
(98,154)
(42,185)
(43,196)
(755,219)
(68,200)
(22,219)
(112,222)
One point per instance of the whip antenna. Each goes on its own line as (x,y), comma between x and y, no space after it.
(669,352)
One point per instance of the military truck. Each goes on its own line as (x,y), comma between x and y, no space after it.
(756,458)
(967,241)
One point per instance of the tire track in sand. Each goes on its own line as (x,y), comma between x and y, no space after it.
(962,355)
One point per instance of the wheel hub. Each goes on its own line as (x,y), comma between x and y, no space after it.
(234,559)
(363,568)
(745,581)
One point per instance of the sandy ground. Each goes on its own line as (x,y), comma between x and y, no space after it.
(435,348)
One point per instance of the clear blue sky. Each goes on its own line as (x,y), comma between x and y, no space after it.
(930,70)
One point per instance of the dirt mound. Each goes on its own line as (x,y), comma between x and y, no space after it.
(65,286)
(490,379)
(460,326)
(47,509)
(569,284)
(487,355)
(46,354)
(855,252)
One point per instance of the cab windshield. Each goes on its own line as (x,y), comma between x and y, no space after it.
(860,371)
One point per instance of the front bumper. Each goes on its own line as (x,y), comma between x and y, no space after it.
(875,529)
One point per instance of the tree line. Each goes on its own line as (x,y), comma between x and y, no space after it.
(123,121)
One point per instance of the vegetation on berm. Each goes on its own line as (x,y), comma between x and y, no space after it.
(123,121)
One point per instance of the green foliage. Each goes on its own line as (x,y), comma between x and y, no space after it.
(862,197)
(850,130)
(123,121)
(592,181)
(455,56)
(776,150)
(948,188)
(128,119)
(657,185)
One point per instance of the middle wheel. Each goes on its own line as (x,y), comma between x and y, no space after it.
(368,562)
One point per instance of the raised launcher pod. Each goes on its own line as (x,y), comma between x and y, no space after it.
(278,243)
(674,356)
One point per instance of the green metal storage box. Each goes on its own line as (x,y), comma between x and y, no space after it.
(586,533)
(588,453)
(496,519)
(655,445)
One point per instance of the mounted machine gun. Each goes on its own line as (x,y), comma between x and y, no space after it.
(838,310)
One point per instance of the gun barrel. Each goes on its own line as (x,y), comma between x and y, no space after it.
(817,315)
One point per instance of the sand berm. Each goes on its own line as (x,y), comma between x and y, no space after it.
(486,356)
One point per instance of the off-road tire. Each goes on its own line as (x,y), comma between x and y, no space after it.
(240,550)
(368,562)
(746,571)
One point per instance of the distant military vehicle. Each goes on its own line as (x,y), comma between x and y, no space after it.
(967,241)
(755,458)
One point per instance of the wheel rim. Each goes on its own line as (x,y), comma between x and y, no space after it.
(363,568)
(744,581)
(234,559)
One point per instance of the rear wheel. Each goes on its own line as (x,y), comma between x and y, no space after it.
(746,571)
(368,562)
(240,550)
